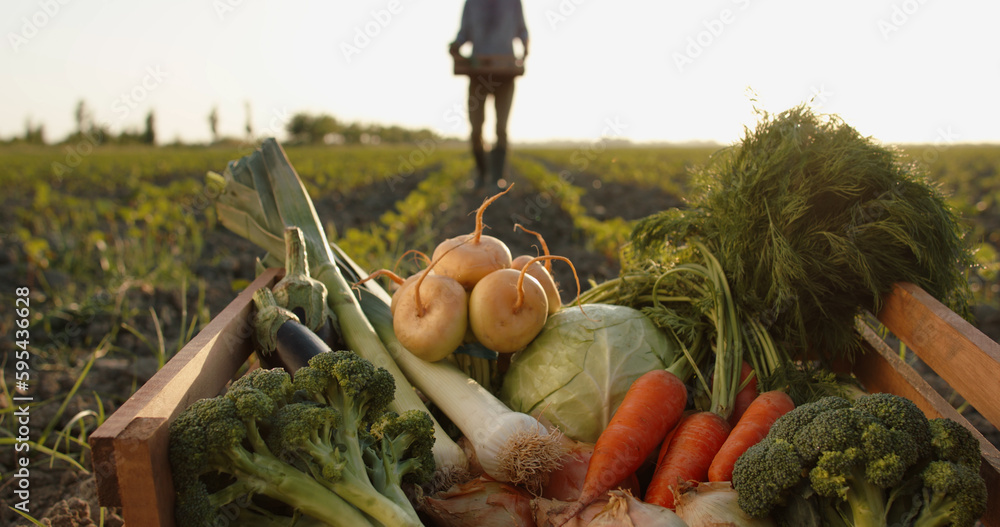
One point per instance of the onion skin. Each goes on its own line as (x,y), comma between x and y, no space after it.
(481,502)
(713,504)
(546,508)
(566,482)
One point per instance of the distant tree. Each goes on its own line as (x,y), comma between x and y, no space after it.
(249,125)
(82,117)
(213,123)
(34,134)
(149,136)
(305,128)
(352,133)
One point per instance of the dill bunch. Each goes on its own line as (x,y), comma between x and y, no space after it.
(813,223)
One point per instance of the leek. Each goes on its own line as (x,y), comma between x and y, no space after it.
(261,196)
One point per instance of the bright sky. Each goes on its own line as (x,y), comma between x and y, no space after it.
(647,70)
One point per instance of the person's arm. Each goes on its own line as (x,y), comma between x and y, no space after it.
(463,30)
(522,28)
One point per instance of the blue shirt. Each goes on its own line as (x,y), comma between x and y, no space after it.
(492,26)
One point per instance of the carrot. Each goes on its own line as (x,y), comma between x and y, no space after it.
(670,435)
(754,425)
(745,396)
(651,407)
(690,452)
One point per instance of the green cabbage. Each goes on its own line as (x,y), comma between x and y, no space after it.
(579,367)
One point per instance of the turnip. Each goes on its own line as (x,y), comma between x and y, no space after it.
(431,316)
(539,272)
(469,257)
(429,312)
(508,308)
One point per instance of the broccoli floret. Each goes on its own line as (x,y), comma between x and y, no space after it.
(209,437)
(342,379)
(324,444)
(790,423)
(953,442)
(954,495)
(402,452)
(855,458)
(863,464)
(314,435)
(899,413)
(765,475)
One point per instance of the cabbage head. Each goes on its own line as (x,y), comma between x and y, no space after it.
(578,370)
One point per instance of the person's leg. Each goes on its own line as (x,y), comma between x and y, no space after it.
(503,95)
(477,115)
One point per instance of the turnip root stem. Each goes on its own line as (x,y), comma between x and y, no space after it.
(541,241)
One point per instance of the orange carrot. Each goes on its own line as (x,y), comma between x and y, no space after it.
(745,396)
(754,425)
(670,435)
(651,407)
(690,452)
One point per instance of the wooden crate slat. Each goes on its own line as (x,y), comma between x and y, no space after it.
(130,447)
(963,356)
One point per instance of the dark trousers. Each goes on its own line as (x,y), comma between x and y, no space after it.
(481,88)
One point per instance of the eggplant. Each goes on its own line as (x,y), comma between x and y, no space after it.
(282,340)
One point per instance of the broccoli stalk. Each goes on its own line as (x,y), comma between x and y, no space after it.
(345,388)
(842,475)
(210,436)
(953,493)
(324,444)
(402,453)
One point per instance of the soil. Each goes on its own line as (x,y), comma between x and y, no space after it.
(62,498)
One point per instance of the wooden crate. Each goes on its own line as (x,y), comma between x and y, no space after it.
(502,65)
(961,354)
(130,448)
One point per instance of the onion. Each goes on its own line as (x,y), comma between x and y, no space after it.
(481,502)
(624,509)
(713,505)
(546,509)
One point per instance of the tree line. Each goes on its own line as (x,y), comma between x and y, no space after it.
(301,128)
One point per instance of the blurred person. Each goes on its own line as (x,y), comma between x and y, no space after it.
(491,26)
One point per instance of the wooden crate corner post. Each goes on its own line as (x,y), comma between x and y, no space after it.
(130,447)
